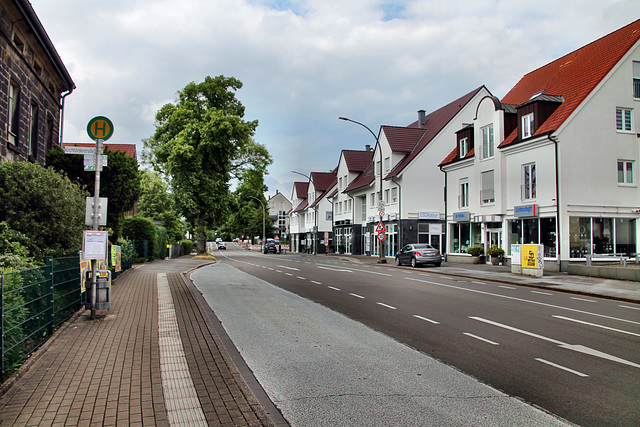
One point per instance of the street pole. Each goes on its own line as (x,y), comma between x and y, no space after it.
(96,221)
(381,259)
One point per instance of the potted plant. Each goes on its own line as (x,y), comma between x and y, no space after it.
(341,248)
(496,254)
(476,252)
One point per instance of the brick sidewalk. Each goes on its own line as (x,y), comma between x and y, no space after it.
(107,371)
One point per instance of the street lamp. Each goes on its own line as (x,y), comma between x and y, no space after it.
(381,259)
(263,219)
(315,218)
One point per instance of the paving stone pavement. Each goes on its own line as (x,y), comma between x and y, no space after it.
(108,371)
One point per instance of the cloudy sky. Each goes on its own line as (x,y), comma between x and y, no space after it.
(303,63)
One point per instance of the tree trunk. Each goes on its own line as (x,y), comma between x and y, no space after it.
(201,235)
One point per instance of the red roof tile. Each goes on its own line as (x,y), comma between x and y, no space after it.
(357,160)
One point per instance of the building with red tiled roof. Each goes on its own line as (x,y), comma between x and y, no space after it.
(555,162)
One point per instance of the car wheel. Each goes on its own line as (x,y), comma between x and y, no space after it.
(414,264)
(398,262)
(437,264)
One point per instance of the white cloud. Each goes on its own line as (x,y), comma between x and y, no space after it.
(306,62)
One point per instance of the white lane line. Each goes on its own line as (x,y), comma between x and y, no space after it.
(564,368)
(544,304)
(541,293)
(575,347)
(335,289)
(288,274)
(386,305)
(180,396)
(426,320)
(336,269)
(278,271)
(505,287)
(301,278)
(288,268)
(596,325)
(270,268)
(632,308)
(356,295)
(480,338)
(479,283)
(317,283)
(583,299)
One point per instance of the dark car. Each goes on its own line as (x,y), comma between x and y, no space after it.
(270,246)
(419,253)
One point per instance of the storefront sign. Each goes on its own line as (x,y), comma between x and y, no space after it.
(429,215)
(435,228)
(461,216)
(526,210)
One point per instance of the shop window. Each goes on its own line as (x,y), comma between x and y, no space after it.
(625,236)
(534,230)
(423,233)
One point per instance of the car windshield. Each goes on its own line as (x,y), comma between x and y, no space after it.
(422,246)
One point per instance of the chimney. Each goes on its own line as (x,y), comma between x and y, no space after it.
(367,147)
(422,118)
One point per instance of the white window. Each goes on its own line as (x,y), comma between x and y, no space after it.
(386,196)
(527,126)
(487,194)
(529,181)
(364,208)
(625,172)
(463,197)
(340,183)
(623,119)
(394,195)
(344,181)
(379,167)
(387,164)
(373,200)
(487,142)
(464,147)
(636,79)
(349,205)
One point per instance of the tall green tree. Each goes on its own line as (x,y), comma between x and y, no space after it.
(44,206)
(157,203)
(202,142)
(119,182)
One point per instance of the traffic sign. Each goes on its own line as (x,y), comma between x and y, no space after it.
(80,150)
(380,228)
(100,127)
(90,162)
(381,236)
(381,213)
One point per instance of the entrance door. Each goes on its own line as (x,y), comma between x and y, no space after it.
(494,238)
(435,241)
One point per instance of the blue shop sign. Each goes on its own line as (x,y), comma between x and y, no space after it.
(461,216)
(526,210)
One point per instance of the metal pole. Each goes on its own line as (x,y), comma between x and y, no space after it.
(96,211)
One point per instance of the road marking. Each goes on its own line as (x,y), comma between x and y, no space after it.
(632,308)
(426,320)
(288,274)
(480,338)
(479,283)
(351,270)
(505,287)
(317,283)
(583,299)
(289,268)
(335,289)
(388,306)
(357,296)
(336,269)
(301,278)
(544,304)
(596,325)
(564,368)
(575,347)
(279,271)
(541,293)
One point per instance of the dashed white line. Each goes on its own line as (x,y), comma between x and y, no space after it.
(288,274)
(583,299)
(356,295)
(478,283)
(386,305)
(564,368)
(632,308)
(541,293)
(335,289)
(317,283)
(505,287)
(289,268)
(480,338)
(426,320)
(301,278)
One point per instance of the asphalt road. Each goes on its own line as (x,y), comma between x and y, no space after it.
(576,357)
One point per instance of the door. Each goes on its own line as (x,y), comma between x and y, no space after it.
(435,241)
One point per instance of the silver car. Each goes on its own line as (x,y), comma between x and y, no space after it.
(419,253)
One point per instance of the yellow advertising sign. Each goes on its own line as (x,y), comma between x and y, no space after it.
(529,256)
(116,257)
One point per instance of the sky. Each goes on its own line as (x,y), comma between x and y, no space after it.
(304,63)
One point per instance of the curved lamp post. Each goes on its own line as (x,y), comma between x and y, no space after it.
(315,219)
(264,238)
(381,259)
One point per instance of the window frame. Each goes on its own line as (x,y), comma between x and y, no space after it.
(488,141)
(529,189)
(484,192)
(13,125)
(463,195)
(628,172)
(527,126)
(624,120)
(463,147)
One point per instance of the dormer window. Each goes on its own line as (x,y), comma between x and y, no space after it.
(463,147)
(527,126)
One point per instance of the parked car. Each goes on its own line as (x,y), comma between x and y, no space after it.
(419,253)
(221,245)
(270,246)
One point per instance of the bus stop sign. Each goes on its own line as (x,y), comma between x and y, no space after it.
(100,127)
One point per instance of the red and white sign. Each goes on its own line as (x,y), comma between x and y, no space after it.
(381,213)
(380,236)
(380,228)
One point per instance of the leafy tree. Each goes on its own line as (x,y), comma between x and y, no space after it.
(140,229)
(247,214)
(44,206)
(119,182)
(202,142)
(157,203)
